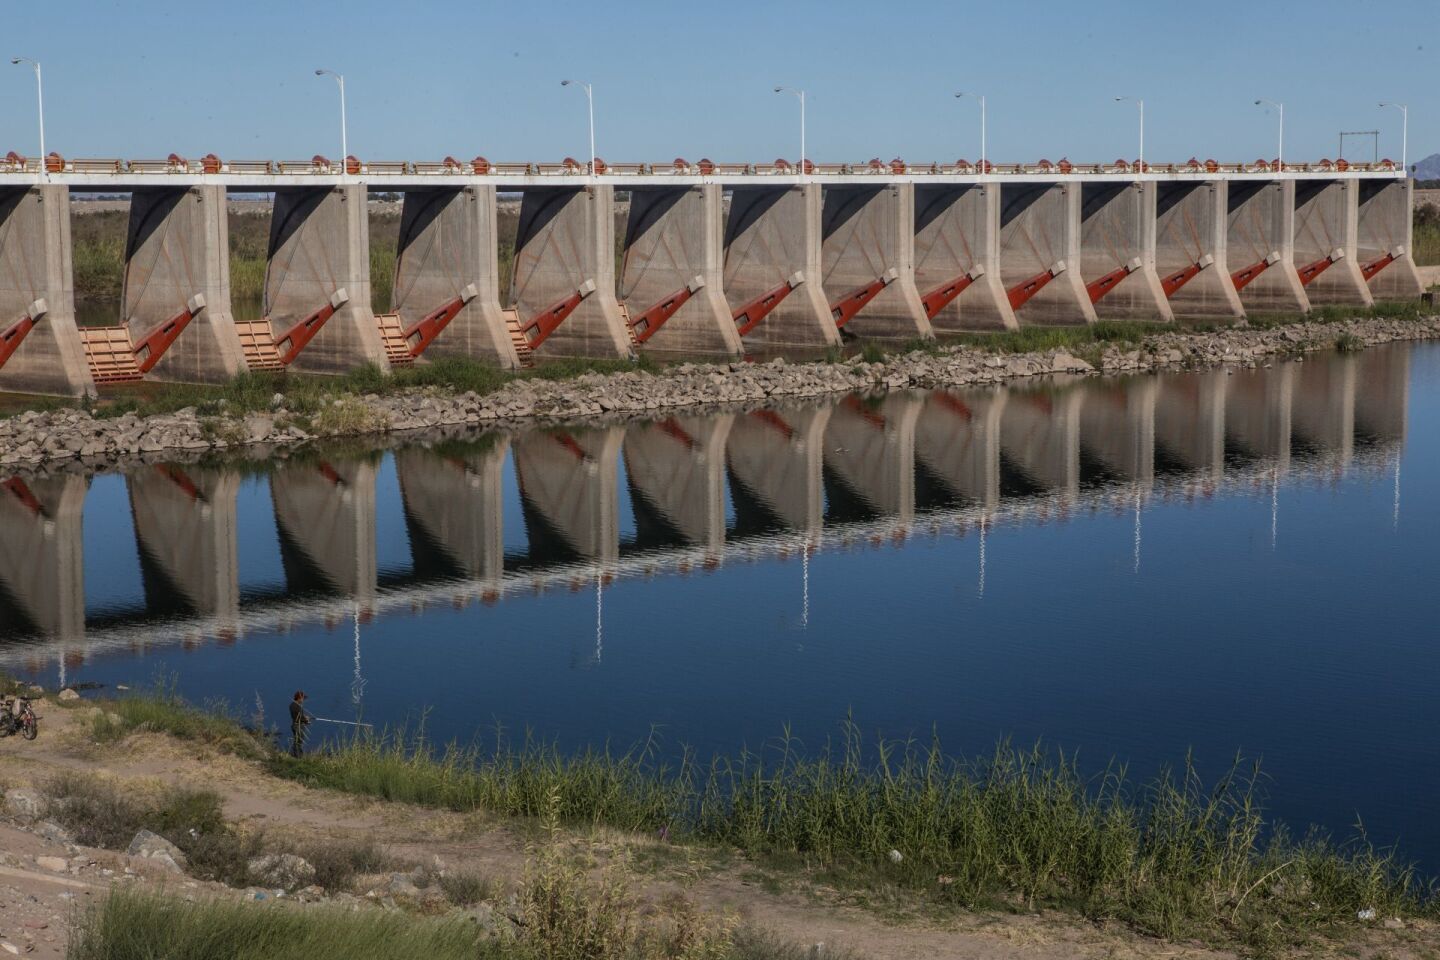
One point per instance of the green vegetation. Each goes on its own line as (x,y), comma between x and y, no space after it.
(99,814)
(1173,857)
(161,710)
(135,926)
(1427,234)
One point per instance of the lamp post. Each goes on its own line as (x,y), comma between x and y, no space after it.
(40,99)
(1280,152)
(344,137)
(1141,104)
(590,101)
(981,97)
(1404,131)
(801,95)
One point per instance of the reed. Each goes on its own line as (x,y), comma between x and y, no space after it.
(1173,857)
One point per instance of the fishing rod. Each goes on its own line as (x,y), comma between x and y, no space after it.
(348,723)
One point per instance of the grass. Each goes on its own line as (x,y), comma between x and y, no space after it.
(338,862)
(1174,857)
(1427,235)
(99,814)
(135,926)
(161,710)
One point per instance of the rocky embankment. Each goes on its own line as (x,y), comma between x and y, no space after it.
(75,437)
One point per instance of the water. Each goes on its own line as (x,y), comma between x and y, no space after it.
(1125,568)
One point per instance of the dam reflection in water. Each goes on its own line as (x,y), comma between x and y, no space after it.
(969,559)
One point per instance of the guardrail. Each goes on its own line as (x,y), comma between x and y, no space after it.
(54,163)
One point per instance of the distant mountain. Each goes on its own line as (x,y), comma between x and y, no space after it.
(1429,168)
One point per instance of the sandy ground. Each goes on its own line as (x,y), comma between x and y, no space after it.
(38,894)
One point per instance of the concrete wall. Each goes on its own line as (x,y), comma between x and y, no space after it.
(320,243)
(1384,223)
(672,237)
(35,264)
(457,502)
(772,234)
(186,522)
(1040,228)
(178,245)
(956,230)
(569,490)
(1117,230)
(776,460)
(1325,221)
(447,242)
(957,438)
(41,553)
(867,232)
(565,238)
(870,446)
(326,517)
(678,465)
(1261,226)
(1190,226)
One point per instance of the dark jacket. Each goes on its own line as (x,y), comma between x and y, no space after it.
(298,716)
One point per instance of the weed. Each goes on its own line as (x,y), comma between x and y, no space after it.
(468,887)
(338,862)
(161,710)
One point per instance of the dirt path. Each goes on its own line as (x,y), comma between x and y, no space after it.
(35,901)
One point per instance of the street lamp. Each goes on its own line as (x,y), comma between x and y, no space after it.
(1404,130)
(40,97)
(1140,167)
(590,100)
(344,139)
(981,97)
(1280,153)
(801,95)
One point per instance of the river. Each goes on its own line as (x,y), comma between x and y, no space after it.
(1122,568)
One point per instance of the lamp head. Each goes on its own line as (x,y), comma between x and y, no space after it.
(779,89)
(1258,102)
(565,83)
(17,59)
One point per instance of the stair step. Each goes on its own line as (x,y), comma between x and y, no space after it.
(397,348)
(110,354)
(522,346)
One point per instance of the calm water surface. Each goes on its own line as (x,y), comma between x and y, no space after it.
(1125,568)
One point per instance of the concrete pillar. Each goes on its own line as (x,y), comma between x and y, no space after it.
(772,238)
(1324,417)
(569,490)
(455,502)
(1326,215)
(674,238)
(1190,231)
(565,244)
(1190,421)
(678,466)
(1040,234)
(870,447)
(957,234)
(1117,251)
(177,246)
(35,265)
(186,526)
(1258,408)
(1384,225)
(957,439)
(776,463)
(868,237)
(1261,235)
(320,244)
(42,565)
(1117,427)
(1040,435)
(447,243)
(325,513)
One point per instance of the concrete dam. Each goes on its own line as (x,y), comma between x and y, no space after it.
(718,260)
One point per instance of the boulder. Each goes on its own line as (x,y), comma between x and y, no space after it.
(53,864)
(67,694)
(155,848)
(283,870)
(24,804)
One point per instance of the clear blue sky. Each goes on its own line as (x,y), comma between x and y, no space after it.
(142,78)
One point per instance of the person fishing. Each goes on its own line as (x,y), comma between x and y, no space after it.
(299,719)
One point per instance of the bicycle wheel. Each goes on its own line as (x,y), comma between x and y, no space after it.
(30,728)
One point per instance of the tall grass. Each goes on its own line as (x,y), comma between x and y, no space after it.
(1173,857)
(128,925)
